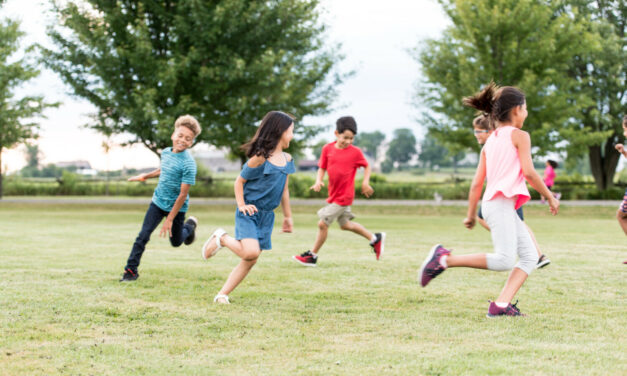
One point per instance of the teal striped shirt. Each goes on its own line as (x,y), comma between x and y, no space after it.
(176,169)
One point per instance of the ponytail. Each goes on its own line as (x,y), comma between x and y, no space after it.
(483,100)
(496,102)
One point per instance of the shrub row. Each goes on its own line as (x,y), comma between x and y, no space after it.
(299,188)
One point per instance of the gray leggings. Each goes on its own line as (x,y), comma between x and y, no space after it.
(509,236)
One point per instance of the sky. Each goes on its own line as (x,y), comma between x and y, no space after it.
(376,37)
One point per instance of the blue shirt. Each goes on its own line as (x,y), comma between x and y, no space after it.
(176,169)
(264,184)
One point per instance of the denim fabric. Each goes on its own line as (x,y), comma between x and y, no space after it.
(153,217)
(257,226)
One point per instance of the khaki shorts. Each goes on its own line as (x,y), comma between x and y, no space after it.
(331,212)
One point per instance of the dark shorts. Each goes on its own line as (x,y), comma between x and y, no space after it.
(623,206)
(257,226)
(519,211)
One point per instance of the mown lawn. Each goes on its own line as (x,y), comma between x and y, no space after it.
(62,310)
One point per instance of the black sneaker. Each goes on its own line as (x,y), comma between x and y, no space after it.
(193,223)
(306,259)
(129,275)
(542,262)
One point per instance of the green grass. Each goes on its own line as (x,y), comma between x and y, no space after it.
(64,312)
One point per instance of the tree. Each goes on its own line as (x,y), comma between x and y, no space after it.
(402,147)
(601,75)
(432,153)
(17,115)
(369,142)
(524,43)
(33,155)
(227,62)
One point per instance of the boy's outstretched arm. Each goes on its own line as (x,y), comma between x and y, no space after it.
(147,175)
(288,223)
(366,189)
(319,183)
(178,204)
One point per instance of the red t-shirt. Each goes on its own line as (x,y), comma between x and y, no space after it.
(341,165)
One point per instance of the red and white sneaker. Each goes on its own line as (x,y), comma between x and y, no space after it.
(379,244)
(306,259)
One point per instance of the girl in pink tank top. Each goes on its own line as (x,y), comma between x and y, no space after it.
(506,162)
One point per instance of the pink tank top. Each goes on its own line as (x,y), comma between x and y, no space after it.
(503,170)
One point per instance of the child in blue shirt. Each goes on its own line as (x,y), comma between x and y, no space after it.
(259,189)
(170,199)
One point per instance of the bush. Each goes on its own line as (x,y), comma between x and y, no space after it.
(571,188)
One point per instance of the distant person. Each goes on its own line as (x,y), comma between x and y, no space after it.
(482,130)
(259,189)
(549,177)
(506,161)
(177,174)
(621,214)
(340,159)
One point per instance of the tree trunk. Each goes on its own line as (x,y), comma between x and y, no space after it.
(603,162)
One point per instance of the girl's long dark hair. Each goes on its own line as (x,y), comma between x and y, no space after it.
(496,102)
(272,127)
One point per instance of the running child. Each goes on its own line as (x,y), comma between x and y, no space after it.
(549,177)
(177,174)
(340,159)
(621,214)
(261,186)
(506,161)
(482,130)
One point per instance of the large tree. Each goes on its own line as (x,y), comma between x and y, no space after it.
(402,146)
(227,62)
(17,115)
(601,75)
(524,43)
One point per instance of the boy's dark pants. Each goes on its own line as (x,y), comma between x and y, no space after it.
(153,217)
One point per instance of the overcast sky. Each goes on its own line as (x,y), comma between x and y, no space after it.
(375,36)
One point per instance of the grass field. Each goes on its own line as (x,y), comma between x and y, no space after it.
(62,310)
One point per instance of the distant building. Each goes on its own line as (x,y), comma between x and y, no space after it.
(307,165)
(82,167)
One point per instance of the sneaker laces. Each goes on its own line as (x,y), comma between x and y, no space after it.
(514,307)
(305,254)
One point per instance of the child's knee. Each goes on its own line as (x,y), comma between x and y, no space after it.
(322,225)
(346,225)
(500,262)
(251,255)
(621,215)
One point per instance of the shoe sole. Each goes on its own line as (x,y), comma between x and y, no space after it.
(424,264)
(202,250)
(382,245)
(543,264)
(303,263)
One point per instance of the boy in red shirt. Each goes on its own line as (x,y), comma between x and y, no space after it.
(341,160)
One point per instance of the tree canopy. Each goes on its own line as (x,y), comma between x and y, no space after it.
(18,116)
(402,147)
(226,62)
(513,42)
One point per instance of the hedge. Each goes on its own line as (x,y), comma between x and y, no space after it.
(299,188)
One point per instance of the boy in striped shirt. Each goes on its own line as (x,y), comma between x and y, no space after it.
(177,174)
